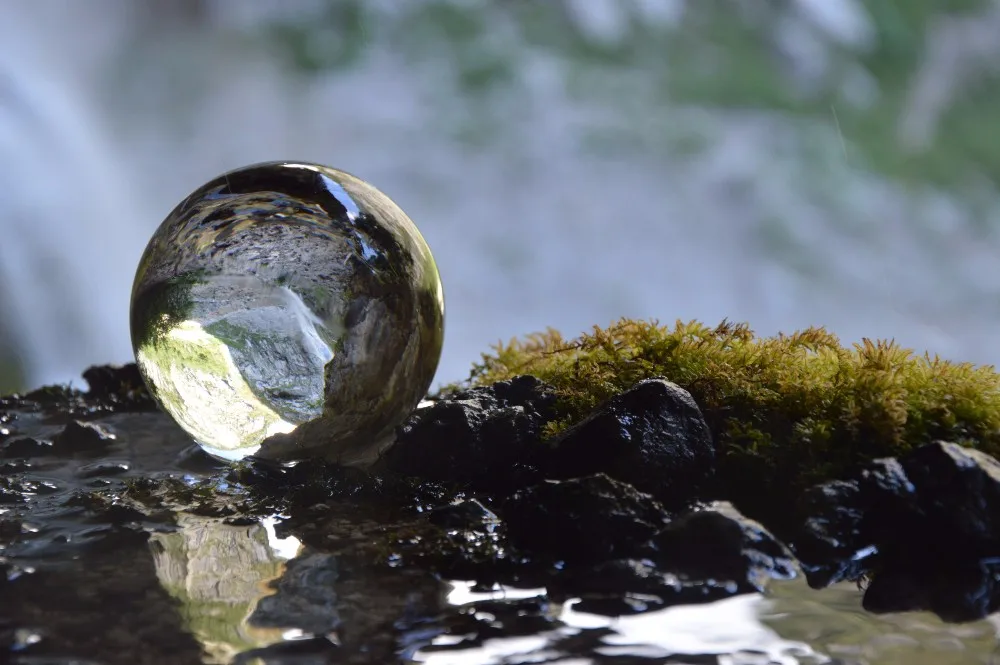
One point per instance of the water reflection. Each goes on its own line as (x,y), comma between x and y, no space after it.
(791,625)
(730,628)
(219,574)
(248,596)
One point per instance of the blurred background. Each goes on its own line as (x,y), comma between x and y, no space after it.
(781,162)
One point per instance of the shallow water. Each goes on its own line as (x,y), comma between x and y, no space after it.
(99,567)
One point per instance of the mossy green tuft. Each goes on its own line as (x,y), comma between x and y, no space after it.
(793,409)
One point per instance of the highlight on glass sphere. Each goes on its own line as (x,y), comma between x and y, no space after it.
(289,311)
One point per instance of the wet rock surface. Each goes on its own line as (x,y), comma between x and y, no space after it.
(718,543)
(652,436)
(488,438)
(109,514)
(925,528)
(702,555)
(583,520)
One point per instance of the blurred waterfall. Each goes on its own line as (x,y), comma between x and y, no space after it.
(543,204)
(67,209)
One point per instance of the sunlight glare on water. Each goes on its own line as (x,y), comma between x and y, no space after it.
(731,628)
(284,548)
(726,627)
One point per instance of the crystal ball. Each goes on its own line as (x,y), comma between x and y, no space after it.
(289,311)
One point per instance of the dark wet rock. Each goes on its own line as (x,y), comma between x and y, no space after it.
(582,520)
(473,551)
(113,389)
(120,385)
(13,489)
(702,556)
(956,489)
(7,428)
(487,437)
(304,596)
(49,395)
(843,519)
(830,544)
(911,525)
(11,467)
(939,502)
(82,437)
(98,508)
(846,519)
(625,586)
(962,591)
(25,447)
(465,515)
(652,436)
(718,543)
(102,469)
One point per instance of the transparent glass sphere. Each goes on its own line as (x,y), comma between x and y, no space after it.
(288,310)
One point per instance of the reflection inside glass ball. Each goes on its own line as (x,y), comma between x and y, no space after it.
(282,293)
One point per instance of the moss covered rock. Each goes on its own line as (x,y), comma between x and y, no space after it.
(789,410)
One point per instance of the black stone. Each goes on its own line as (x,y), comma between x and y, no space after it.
(582,520)
(652,436)
(82,437)
(960,592)
(627,586)
(925,528)
(719,544)
(121,385)
(488,437)
(25,447)
(465,515)
(957,491)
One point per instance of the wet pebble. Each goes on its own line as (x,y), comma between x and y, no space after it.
(26,447)
(83,437)
(102,468)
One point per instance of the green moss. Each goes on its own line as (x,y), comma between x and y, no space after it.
(800,407)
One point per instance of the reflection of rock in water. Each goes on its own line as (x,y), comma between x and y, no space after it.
(304,598)
(238,597)
(366,611)
(218,573)
(104,606)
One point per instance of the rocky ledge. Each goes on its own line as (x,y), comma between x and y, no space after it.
(627,501)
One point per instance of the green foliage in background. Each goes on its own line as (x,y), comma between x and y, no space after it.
(11,376)
(717,57)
